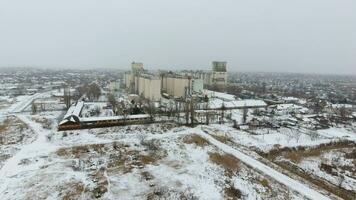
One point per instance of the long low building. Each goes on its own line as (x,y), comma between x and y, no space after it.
(73,119)
(216,103)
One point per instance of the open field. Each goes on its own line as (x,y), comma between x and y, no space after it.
(144,161)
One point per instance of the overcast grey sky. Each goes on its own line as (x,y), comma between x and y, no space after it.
(314,36)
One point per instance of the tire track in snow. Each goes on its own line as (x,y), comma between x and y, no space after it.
(255,164)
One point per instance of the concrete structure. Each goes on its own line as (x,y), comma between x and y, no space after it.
(219,74)
(219,66)
(198,85)
(172,85)
(176,86)
(143,84)
(114,86)
(149,86)
(137,67)
(132,78)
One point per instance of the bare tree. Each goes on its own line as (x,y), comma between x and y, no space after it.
(341,180)
(97,110)
(235,123)
(186,109)
(343,113)
(43,107)
(297,134)
(313,135)
(94,91)
(113,102)
(222,116)
(82,90)
(319,105)
(264,87)
(192,111)
(207,117)
(256,112)
(244,114)
(151,110)
(170,110)
(177,111)
(66,96)
(33,107)
(124,110)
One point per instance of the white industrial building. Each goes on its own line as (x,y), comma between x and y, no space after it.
(143,84)
(173,85)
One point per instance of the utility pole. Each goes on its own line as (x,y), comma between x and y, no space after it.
(187,112)
(192,111)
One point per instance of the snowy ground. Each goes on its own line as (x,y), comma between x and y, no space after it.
(158,161)
(266,139)
(135,162)
(13,135)
(336,166)
(89,108)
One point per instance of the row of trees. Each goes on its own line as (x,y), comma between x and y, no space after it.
(92,91)
(183,111)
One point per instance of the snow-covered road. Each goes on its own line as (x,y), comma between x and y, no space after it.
(21,105)
(285,180)
(337,133)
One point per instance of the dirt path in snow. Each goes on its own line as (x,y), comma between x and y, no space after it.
(40,146)
(255,164)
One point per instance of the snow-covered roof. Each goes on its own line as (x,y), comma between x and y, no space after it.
(220,95)
(247,103)
(73,112)
(341,106)
(290,106)
(78,108)
(250,103)
(90,119)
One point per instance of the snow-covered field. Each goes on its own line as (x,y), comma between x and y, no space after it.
(336,166)
(134,162)
(157,161)
(266,139)
(13,135)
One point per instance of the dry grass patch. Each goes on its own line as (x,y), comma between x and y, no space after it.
(170,193)
(147,176)
(222,138)
(232,193)
(117,157)
(101,184)
(230,163)
(147,159)
(11,121)
(3,127)
(265,183)
(79,151)
(74,192)
(195,139)
(296,156)
(12,131)
(297,153)
(46,123)
(336,190)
